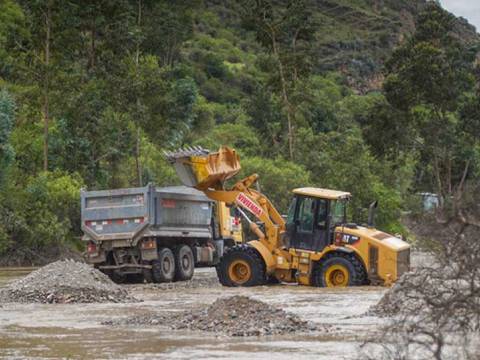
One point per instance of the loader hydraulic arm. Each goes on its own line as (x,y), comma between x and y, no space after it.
(258,205)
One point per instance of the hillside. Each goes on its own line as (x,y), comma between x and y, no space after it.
(353,38)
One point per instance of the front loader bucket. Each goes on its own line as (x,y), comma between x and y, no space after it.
(199,168)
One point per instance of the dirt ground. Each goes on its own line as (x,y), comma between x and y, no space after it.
(75,331)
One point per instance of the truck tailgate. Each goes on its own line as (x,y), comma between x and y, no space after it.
(115,214)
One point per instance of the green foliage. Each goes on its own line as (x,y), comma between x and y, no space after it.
(277,178)
(427,80)
(344,162)
(44,213)
(125,80)
(11,21)
(7,109)
(238,136)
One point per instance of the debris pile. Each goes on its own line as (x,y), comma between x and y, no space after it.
(425,290)
(65,281)
(232,316)
(396,299)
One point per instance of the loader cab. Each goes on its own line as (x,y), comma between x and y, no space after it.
(312,217)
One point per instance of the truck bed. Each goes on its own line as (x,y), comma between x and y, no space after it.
(133,213)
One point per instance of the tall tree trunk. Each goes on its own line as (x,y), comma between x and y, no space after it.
(138,164)
(137,159)
(46,84)
(286,101)
(93,34)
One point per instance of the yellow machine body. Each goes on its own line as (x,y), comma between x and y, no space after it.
(379,257)
(230,226)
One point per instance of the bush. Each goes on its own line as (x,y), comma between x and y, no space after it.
(45,213)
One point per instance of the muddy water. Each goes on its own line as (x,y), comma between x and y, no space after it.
(74,330)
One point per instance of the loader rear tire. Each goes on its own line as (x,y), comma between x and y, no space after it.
(241,265)
(163,269)
(339,270)
(184,263)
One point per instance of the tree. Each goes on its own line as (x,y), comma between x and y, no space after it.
(277,178)
(426,79)
(7,110)
(344,162)
(287,32)
(11,25)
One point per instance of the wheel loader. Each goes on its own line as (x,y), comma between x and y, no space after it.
(314,246)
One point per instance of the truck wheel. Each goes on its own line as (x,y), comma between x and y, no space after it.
(147,275)
(339,270)
(118,277)
(241,265)
(163,269)
(134,278)
(184,263)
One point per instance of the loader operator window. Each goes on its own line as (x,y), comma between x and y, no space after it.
(322,214)
(339,208)
(291,211)
(305,214)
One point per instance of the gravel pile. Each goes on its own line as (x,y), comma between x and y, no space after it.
(195,283)
(65,281)
(232,316)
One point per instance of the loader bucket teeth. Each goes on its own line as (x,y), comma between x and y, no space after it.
(198,167)
(173,156)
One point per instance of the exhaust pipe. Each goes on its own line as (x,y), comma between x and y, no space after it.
(371,214)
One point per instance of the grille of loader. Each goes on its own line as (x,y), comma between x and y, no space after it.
(403,262)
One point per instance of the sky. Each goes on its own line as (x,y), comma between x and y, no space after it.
(469,9)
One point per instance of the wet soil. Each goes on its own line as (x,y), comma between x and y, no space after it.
(75,331)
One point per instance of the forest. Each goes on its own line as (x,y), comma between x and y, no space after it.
(376,97)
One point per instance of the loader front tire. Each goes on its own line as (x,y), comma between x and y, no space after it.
(241,265)
(163,269)
(339,270)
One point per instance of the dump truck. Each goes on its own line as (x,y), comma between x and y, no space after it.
(155,234)
(315,244)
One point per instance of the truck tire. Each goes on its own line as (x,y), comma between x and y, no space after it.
(163,269)
(339,270)
(184,263)
(147,275)
(241,265)
(118,277)
(134,278)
